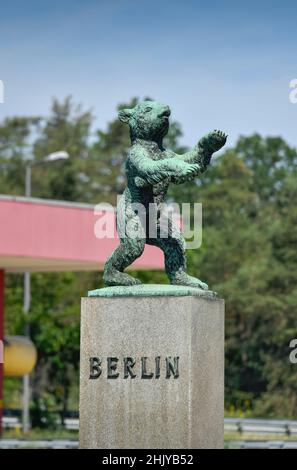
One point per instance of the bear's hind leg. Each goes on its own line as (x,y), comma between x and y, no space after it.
(183,279)
(175,258)
(175,264)
(124,255)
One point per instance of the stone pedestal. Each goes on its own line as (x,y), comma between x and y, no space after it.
(152,371)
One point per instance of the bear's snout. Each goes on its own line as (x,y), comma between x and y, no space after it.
(165,112)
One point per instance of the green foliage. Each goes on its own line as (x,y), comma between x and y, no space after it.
(15,136)
(249,256)
(67,128)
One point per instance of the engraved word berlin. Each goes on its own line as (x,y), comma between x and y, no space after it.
(130,368)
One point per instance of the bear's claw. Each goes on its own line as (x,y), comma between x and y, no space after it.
(116,278)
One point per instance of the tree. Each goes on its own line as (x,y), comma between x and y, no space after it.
(248,256)
(54,325)
(270,159)
(67,128)
(15,136)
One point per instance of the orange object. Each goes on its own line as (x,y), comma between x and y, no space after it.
(1,345)
(20,356)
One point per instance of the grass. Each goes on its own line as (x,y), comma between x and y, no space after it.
(250,436)
(37,434)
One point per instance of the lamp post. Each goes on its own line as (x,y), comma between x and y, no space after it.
(53,157)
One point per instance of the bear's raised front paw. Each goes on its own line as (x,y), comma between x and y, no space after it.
(216,140)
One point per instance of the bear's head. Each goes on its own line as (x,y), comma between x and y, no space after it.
(149,120)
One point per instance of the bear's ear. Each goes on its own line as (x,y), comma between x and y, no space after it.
(124,115)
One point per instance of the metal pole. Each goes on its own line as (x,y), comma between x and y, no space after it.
(26,378)
(28,180)
(2,275)
(27,303)
(27,300)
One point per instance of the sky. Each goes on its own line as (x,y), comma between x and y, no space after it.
(217,64)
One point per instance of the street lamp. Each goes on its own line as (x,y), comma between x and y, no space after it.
(52,157)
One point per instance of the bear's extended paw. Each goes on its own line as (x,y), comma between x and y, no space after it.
(215,140)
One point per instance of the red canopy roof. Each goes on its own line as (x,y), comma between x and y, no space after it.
(46,235)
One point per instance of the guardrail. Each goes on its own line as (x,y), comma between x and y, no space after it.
(261,444)
(38,444)
(261,426)
(11,422)
(73,444)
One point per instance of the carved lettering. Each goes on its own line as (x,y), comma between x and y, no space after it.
(95,367)
(172,367)
(130,367)
(129,363)
(157,361)
(144,373)
(112,363)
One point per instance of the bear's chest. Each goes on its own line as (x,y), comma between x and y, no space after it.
(156,154)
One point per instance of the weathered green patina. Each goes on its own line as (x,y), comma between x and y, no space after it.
(150,168)
(151,290)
